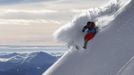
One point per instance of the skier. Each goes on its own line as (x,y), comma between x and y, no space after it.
(90,30)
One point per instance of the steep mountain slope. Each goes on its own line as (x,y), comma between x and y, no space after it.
(111,48)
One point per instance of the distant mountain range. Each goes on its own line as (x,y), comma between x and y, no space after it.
(25,63)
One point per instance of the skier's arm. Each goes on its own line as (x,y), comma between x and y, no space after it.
(84,28)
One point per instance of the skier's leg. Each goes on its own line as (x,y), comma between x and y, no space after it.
(87,38)
(85,44)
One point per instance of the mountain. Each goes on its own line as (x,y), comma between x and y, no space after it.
(110,50)
(25,63)
(7,55)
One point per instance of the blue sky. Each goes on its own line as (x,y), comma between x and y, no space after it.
(32,22)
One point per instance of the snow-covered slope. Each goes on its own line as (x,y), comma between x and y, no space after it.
(25,63)
(111,48)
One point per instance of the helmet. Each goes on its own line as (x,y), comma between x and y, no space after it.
(91,24)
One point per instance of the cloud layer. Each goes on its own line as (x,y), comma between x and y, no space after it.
(23,20)
(6,2)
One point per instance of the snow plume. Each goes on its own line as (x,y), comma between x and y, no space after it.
(71,33)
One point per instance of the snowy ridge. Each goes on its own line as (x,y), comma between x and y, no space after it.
(128,68)
(110,49)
